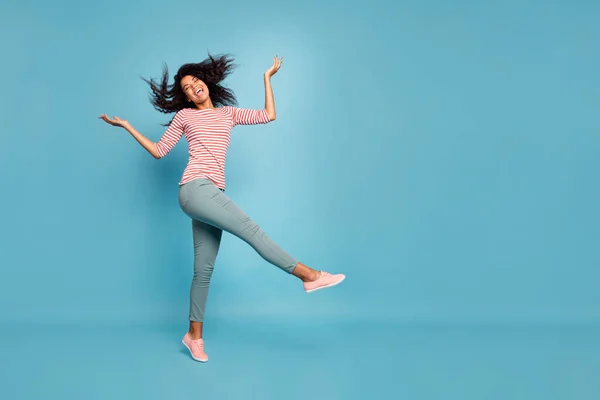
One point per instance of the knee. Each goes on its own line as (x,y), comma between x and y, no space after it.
(202,275)
(251,228)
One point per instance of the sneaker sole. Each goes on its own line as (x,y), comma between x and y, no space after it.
(191,354)
(326,286)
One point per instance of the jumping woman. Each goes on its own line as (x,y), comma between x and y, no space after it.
(205,113)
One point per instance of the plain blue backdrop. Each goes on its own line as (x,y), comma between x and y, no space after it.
(443,155)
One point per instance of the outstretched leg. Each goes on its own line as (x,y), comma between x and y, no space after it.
(203,201)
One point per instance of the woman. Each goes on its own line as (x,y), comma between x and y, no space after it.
(205,115)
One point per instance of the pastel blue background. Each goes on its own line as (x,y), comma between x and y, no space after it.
(444,155)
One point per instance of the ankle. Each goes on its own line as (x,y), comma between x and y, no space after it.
(194,335)
(305,273)
(312,276)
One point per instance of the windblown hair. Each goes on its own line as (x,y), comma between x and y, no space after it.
(169,98)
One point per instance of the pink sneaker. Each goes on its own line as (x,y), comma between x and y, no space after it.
(325,280)
(196,348)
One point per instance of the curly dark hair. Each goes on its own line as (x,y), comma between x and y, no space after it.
(169,98)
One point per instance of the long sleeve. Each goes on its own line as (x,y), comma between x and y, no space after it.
(172,135)
(243,116)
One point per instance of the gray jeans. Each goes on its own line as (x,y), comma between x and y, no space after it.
(212,212)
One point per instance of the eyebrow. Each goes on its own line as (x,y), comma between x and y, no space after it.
(194,79)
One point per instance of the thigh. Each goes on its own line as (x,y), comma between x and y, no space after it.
(207,203)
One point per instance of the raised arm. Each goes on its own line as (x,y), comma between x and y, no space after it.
(269,101)
(157,150)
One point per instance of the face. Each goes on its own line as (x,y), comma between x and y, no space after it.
(195,90)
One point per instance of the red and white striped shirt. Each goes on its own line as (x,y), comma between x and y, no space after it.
(208,135)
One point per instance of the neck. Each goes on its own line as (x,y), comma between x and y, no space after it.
(206,105)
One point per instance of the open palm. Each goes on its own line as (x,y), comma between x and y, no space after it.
(116,121)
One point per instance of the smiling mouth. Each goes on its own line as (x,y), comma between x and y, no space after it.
(200,90)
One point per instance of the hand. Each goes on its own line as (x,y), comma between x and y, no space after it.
(275,67)
(116,121)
